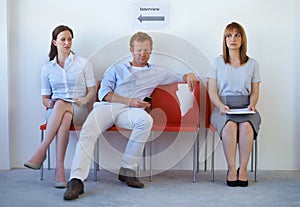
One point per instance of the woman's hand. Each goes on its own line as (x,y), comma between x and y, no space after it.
(47,101)
(223,109)
(80,101)
(252,108)
(50,103)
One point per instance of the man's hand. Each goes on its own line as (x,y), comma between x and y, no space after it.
(138,103)
(191,80)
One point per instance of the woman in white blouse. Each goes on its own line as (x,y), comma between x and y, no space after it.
(234,83)
(67,85)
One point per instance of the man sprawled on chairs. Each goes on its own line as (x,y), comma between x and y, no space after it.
(122,92)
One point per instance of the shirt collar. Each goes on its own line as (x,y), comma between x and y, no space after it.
(70,58)
(128,65)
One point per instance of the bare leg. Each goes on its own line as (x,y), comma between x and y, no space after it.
(62,139)
(245,147)
(53,124)
(229,140)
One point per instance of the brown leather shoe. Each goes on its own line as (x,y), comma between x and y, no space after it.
(74,189)
(129,177)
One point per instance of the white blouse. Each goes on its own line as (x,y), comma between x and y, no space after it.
(68,82)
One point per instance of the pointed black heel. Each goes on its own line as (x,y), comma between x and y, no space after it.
(233,183)
(241,183)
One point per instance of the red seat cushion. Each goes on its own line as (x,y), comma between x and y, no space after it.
(166,110)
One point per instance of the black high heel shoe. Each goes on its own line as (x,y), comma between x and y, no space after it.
(233,183)
(241,183)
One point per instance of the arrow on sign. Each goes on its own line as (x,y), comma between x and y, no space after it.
(142,18)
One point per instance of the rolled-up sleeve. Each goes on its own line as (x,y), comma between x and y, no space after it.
(45,85)
(108,83)
(168,77)
(212,73)
(89,75)
(256,74)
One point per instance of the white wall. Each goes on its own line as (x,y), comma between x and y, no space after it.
(297,88)
(4,119)
(272,30)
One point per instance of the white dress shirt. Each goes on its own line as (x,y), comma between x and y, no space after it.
(68,82)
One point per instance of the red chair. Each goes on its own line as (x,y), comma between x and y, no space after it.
(43,127)
(96,151)
(209,126)
(73,128)
(111,129)
(164,98)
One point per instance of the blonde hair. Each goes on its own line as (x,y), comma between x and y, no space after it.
(140,37)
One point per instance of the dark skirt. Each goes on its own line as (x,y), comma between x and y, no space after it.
(219,120)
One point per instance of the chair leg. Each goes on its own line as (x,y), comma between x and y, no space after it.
(205,150)
(198,153)
(254,159)
(48,157)
(213,159)
(42,169)
(252,156)
(144,159)
(49,167)
(195,159)
(42,173)
(96,159)
(138,172)
(255,167)
(150,157)
(95,165)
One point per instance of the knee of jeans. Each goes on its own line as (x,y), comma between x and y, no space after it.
(144,122)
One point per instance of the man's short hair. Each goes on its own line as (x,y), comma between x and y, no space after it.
(140,37)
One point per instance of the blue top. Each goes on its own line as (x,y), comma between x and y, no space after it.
(135,82)
(234,81)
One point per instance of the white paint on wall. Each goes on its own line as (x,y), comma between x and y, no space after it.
(4,80)
(272,28)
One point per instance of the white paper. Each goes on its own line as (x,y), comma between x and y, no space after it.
(65,99)
(185,98)
(240,111)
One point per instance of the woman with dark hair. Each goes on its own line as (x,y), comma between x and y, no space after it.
(67,85)
(233,84)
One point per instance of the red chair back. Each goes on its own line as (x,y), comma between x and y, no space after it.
(209,109)
(166,108)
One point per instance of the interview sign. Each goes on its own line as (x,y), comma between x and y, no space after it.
(150,15)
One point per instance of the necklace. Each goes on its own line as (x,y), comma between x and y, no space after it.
(235,64)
